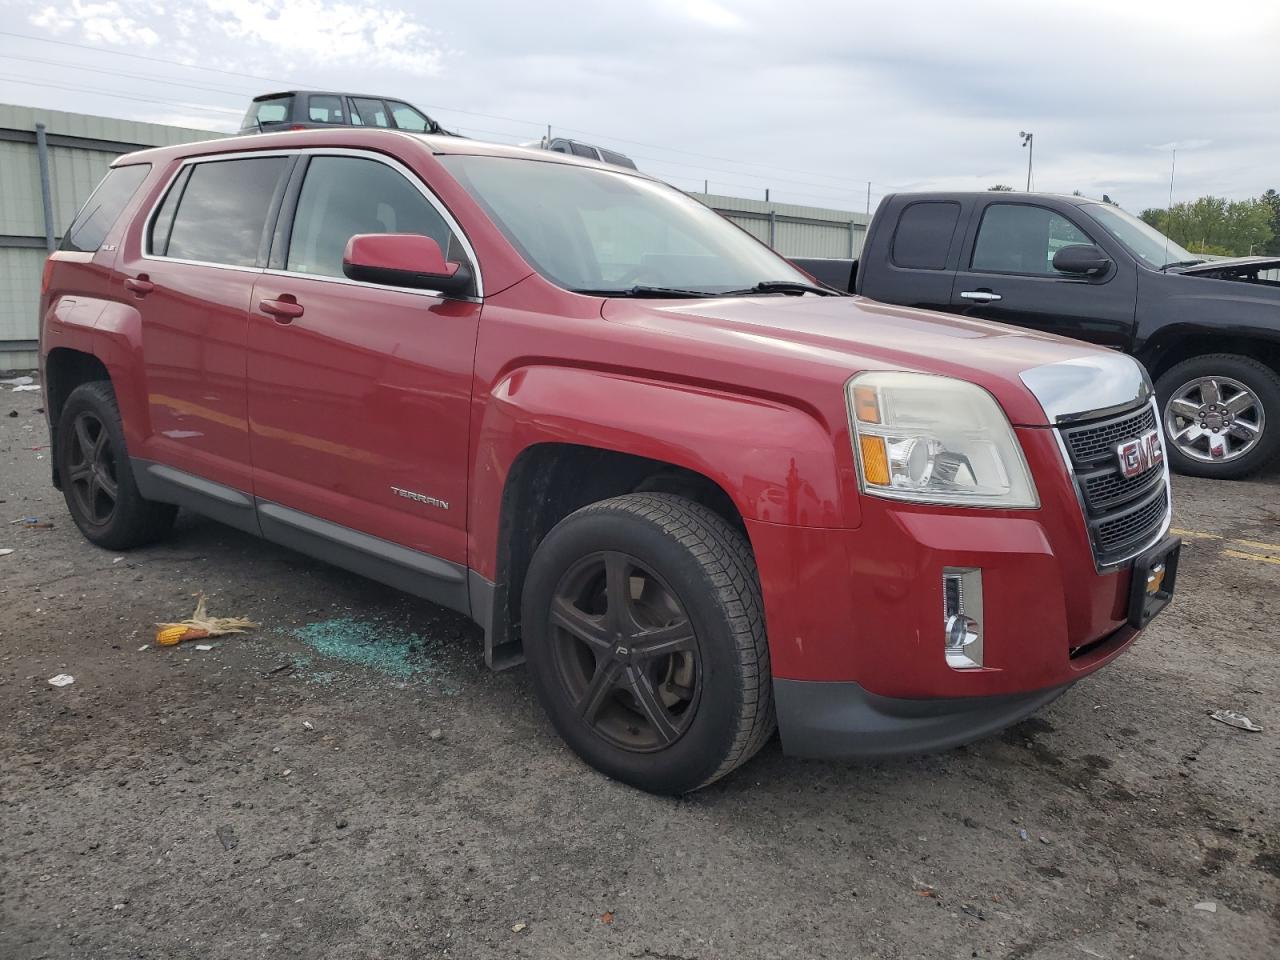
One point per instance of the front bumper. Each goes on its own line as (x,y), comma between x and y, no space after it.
(826,721)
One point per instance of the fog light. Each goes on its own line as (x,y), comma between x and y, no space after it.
(962,617)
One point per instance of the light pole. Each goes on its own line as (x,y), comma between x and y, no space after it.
(1028,141)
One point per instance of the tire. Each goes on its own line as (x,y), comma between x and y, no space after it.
(667,712)
(92,462)
(1247,438)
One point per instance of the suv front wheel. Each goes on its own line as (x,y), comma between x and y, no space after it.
(1221,415)
(643,628)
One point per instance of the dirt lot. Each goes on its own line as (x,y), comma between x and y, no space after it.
(350,782)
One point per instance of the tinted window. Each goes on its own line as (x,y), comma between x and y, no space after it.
(223,210)
(582,150)
(369,113)
(408,118)
(923,238)
(343,196)
(275,110)
(1021,238)
(104,205)
(324,109)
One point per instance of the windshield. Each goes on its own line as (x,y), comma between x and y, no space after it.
(1141,239)
(600,232)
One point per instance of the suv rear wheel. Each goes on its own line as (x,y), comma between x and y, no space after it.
(644,633)
(97,481)
(1221,415)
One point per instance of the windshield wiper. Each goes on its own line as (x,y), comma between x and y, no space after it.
(1181,263)
(646,291)
(796,287)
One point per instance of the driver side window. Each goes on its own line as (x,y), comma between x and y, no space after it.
(344,196)
(1022,238)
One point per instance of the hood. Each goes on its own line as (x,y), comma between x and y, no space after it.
(1229,267)
(845,335)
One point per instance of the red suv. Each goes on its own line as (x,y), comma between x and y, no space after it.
(696,493)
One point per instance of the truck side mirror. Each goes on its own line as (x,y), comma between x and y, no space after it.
(404,260)
(1084,259)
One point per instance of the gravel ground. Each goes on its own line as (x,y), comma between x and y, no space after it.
(301,791)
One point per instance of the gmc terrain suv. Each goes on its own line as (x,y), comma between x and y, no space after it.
(697,494)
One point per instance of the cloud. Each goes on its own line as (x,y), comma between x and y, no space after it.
(106,23)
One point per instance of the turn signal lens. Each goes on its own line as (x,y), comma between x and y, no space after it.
(875,462)
(866,405)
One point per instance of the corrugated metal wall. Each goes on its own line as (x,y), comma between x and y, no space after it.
(80,150)
(794,230)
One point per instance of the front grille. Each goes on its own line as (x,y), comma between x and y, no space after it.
(1123,514)
(1097,441)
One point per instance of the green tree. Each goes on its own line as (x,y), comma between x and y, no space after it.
(1272,200)
(1001,188)
(1215,225)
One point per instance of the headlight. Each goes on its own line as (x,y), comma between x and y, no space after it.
(933,439)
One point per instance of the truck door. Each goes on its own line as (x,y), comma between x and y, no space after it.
(1007,275)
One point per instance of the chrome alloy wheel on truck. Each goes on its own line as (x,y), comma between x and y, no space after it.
(1214,419)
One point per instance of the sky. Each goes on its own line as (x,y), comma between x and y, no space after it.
(810,99)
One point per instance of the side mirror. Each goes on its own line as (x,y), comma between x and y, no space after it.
(404,260)
(1081,258)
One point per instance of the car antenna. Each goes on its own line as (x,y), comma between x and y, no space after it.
(1168,215)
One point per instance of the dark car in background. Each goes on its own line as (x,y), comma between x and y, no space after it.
(1208,332)
(320,110)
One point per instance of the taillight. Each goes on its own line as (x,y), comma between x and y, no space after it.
(297,126)
(44,277)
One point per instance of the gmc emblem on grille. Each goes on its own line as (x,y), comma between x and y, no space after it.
(1140,455)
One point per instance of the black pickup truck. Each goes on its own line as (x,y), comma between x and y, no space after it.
(1208,331)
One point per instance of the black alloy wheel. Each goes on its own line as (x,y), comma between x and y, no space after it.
(642,623)
(91,470)
(96,474)
(626,652)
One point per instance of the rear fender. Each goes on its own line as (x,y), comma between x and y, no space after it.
(774,461)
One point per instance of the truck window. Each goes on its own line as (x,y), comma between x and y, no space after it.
(923,238)
(343,196)
(369,113)
(1022,238)
(407,118)
(325,109)
(103,207)
(223,210)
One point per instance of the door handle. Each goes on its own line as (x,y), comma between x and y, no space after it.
(981,296)
(284,309)
(140,285)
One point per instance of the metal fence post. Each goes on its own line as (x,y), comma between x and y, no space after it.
(46,190)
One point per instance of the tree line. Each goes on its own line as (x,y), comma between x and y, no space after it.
(1215,225)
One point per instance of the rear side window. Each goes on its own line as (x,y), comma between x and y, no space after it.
(103,208)
(324,109)
(343,196)
(582,150)
(617,159)
(221,212)
(274,110)
(923,238)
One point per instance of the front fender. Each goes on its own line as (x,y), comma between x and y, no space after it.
(777,463)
